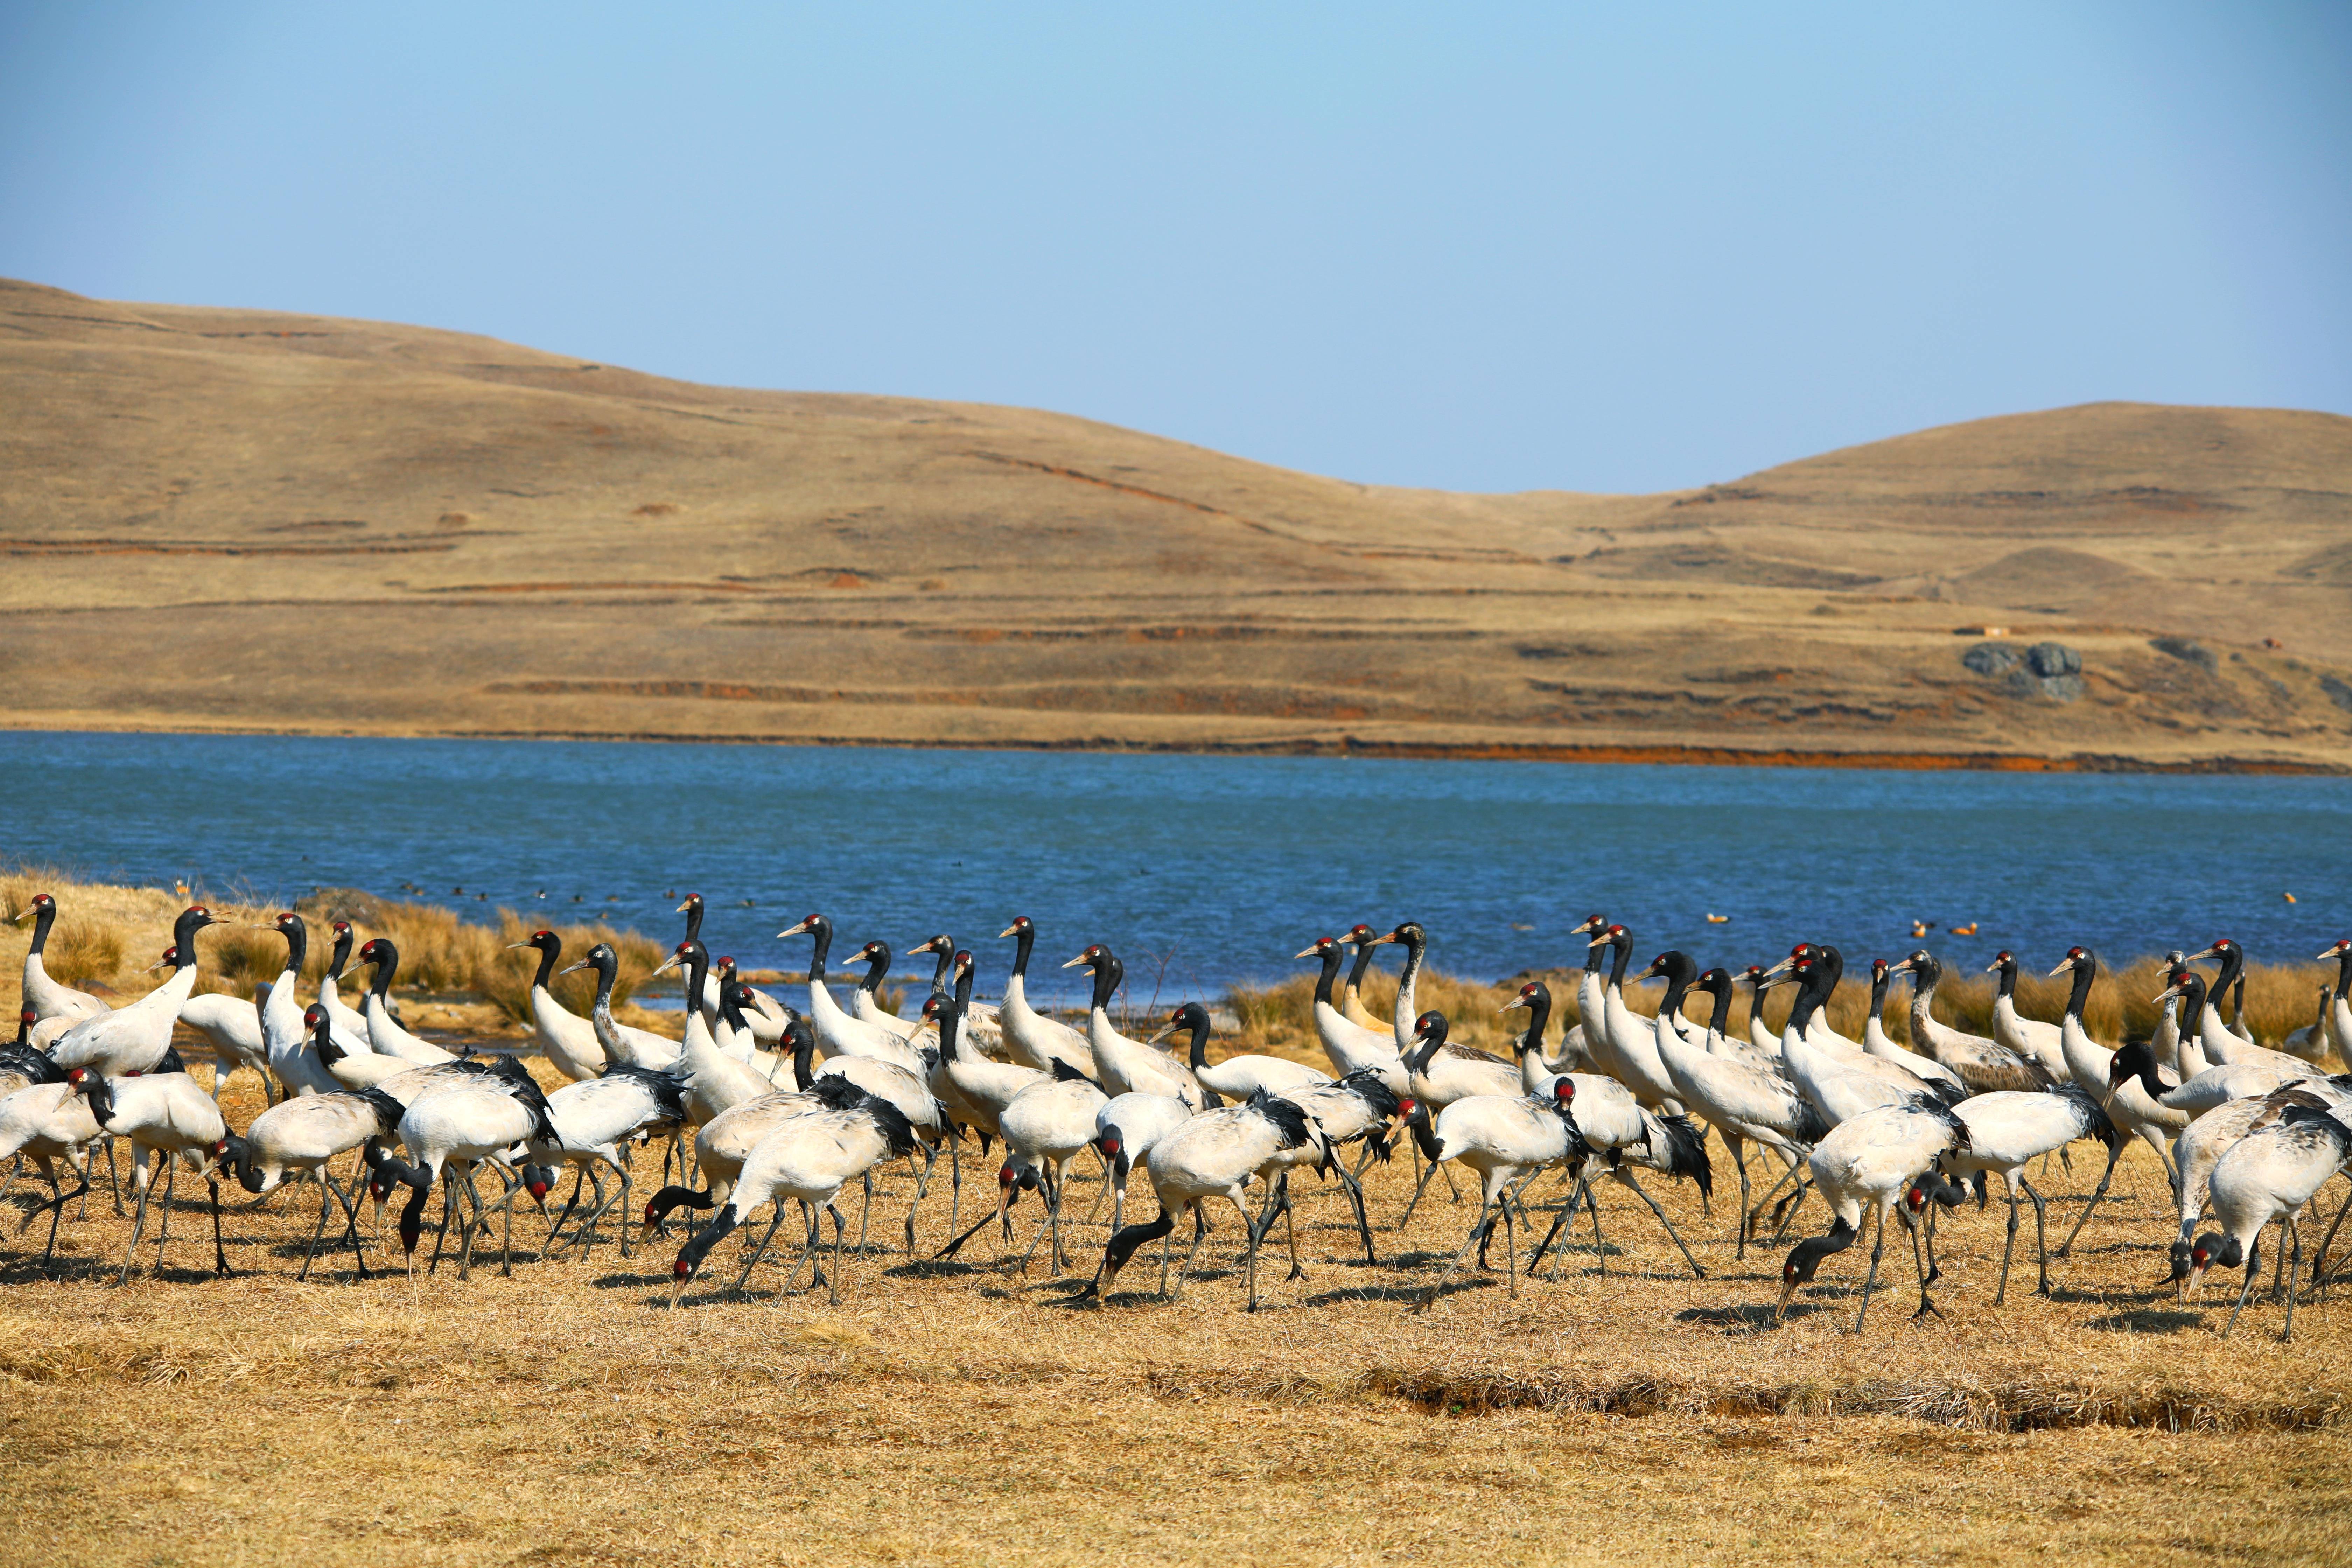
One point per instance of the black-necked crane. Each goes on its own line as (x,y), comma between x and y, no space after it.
(136,1039)
(933,1123)
(1359,1108)
(840,1033)
(477,1121)
(2198,1150)
(865,996)
(710,1079)
(1877,1042)
(2339,1009)
(1839,1085)
(1353,1047)
(2026,1037)
(2266,1176)
(1743,1102)
(43,1119)
(386,1035)
(159,1110)
(1624,1134)
(1865,1167)
(1437,1073)
(1126,1128)
(1215,1154)
(2222,1044)
(705,1001)
(1760,1033)
(1123,1066)
(50,998)
(622,1044)
(1508,1139)
(984,1023)
(1829,963)
(1535,1069)
(1984,1065)
(594,1121)
(293,1057)
(2011,1129)
(1237,1076)
(232,1024)
(809,1158)
(1044,1128)
(565,1037)
(985,1085)
(301,1136)
(2128,1102)
(727,1140)
(1632,1039)
(350,1024)
(1030,1038)
(765,1019)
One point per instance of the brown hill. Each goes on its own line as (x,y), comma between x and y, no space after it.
(239,520)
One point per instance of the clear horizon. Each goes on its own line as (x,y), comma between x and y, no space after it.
(1496,249)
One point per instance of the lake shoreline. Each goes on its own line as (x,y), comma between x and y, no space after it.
(1341,747)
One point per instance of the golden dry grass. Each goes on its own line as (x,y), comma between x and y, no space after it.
(964,1411)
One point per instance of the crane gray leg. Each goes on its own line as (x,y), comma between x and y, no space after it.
(220,1253)
(833,1285)
(2294,1279)
(1477,1232)
(1420,1187)
(1920,1263)
(1870,1281)
(2067,1246)
(1200,1234)
(2253,1266)
(326,1202)
(775,1219)
(2319,1264)
(138,1227)
(1626,1176)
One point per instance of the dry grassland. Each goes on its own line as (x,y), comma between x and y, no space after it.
(961,1411)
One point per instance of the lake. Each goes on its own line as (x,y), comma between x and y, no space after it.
(1202,870)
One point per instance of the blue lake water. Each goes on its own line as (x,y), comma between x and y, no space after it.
(1202,870)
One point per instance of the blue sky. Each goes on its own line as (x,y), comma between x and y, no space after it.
(1481,247)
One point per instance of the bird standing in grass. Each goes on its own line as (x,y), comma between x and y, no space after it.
(1863,1167)
(2266,1178)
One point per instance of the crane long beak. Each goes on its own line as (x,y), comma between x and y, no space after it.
(570,967)
(1316,951)
(683,906)
(2193,957)
(1008,930)
(2061,969)
(1780,969)
(513,945)
(1076,962)
(1165,1030)
(1513,1005)
(795,929)
(667,965)
(2336,952)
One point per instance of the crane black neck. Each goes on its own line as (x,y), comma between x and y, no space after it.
(1107,974)
(1024,940)
(385,968)
(2006,985)
(951,1020)
(607,971)
(298,943)
(100,1095)
(1324,982)
(877,965)
(2233,964)
(1620,953)
(1196,1018)
(697,972)
(2138,1060)
(1539,1018)
(548,953)
(1717,984)
(44,917)
(1810,994)
(1364,951)
(1436,1042)
(2086,970)
(341,954)
(2344,974)
(821,929)
(184,941)
(1415,946)
(1678,984)
(804,1054)
(1879,981)
(946,962)
(694,918)
(1594,958)
(2192,1001)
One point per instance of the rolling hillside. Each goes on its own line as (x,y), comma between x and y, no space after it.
(241,519)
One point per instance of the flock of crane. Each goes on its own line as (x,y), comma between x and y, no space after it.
(786,1109)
